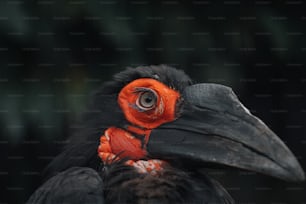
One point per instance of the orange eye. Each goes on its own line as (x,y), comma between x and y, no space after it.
(146,100)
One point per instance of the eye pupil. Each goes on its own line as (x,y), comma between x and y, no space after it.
(149,99)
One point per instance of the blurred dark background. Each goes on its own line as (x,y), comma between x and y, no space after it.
(54,53)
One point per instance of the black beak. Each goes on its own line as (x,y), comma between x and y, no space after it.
(216,128)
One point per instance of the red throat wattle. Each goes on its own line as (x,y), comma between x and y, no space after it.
(146,104)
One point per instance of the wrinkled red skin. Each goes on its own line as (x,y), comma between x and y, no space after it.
(117,143)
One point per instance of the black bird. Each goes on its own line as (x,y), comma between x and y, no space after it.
(147,133)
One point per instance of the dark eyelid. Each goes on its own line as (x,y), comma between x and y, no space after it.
(141,89)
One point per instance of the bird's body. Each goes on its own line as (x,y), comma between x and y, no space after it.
(74,185)
(118,183)
(147,133)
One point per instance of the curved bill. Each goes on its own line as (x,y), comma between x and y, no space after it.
(215,127)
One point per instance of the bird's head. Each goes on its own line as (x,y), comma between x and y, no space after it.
(164,116)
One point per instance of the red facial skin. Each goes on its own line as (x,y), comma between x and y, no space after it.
(121,143)
(163,112)
(117,143)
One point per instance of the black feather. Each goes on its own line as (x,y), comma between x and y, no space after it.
(121,183)
(75,185)
(176,79)
(81,147)
(103,112)
(124,185)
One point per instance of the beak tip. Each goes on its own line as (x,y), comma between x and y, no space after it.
(294,171)
(294,168)
(299,175)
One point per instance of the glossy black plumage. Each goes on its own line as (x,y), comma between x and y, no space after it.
(118,183)
(122,184)
(103,112)
(74,185)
